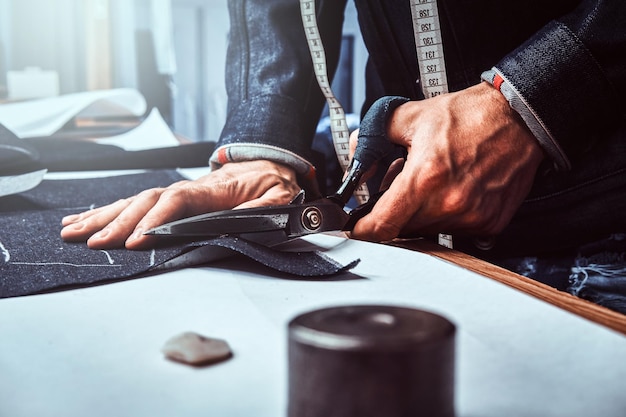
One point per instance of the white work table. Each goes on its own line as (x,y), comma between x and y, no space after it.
(96,351)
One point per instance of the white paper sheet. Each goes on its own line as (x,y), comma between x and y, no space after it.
(13,184)
(152,133)
(43,117)
(96,351)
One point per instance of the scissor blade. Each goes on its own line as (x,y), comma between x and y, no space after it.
(293,220)
(220,223)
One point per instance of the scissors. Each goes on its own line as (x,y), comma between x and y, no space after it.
(276,224)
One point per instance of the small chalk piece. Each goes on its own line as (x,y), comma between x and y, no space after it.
(197,350)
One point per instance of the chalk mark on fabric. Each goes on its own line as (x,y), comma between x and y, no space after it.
(78,209)
(66,264)
(5,252)
(111,261)
(152,257)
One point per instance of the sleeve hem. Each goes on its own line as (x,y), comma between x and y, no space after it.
(529,116)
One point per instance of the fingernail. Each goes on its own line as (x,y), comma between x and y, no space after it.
(70,219)
(136,234)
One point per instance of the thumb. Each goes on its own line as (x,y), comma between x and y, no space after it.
(354,138)
(373,143)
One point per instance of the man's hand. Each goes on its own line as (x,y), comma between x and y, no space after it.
(471,162)
(236,184)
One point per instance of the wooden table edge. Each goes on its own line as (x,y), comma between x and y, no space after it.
(590,311)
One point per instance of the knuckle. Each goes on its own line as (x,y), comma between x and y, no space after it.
(150,194)
(454,202)
(172,194)
(121,221)
(383,230)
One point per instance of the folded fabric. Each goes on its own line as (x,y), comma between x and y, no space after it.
(73,155)
(34,259)
(16,157)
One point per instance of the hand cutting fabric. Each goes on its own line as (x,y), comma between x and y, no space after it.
(243,184)
(471,162)
(556,72)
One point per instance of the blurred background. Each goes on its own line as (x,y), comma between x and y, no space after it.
(172,51)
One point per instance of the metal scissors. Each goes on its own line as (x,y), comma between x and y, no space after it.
(276,224)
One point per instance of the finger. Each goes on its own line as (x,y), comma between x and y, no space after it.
(272,197)
(79,227)
(117,231)
(172,204)
(75,218)
(392,172)
(391,213)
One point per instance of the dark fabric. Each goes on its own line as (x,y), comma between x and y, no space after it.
(61,154)
(33,258)
(74,155)
(303,264)
(16,157)
(595,271)
(599,273)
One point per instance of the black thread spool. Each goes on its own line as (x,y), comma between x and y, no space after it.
(378,361)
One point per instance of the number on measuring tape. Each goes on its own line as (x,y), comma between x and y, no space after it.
(430,60)
(338,124)
(429,47)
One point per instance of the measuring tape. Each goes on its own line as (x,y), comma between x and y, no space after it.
(338,125)
(431,63)
(430,58)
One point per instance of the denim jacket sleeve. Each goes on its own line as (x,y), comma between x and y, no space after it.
(568,82)
(274,102)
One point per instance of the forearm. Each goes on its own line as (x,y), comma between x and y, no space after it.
(274,101)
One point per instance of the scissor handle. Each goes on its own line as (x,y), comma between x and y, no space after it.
(373,144)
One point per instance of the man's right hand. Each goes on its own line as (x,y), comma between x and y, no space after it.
(234,185)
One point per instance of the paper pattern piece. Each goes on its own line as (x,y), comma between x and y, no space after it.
(43,117)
